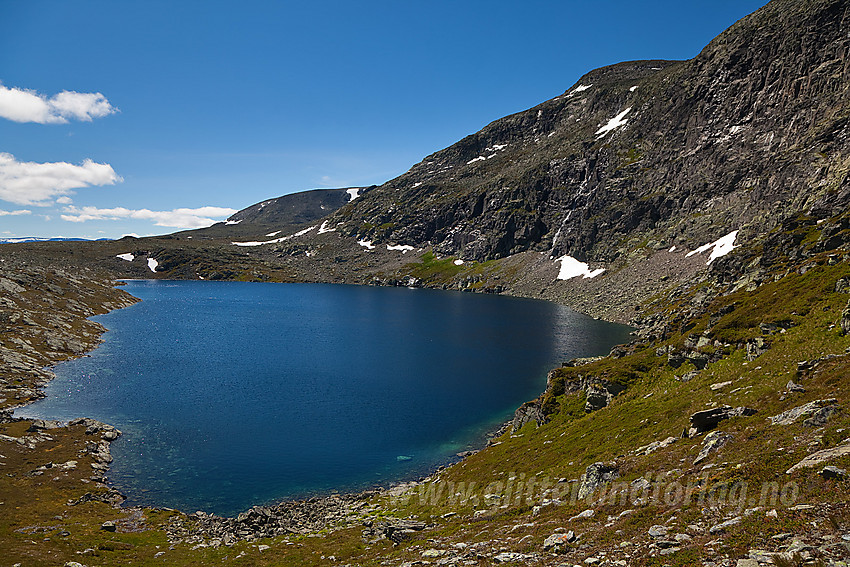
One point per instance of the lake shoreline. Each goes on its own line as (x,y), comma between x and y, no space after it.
(332,502)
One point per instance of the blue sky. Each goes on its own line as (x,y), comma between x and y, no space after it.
(148,117)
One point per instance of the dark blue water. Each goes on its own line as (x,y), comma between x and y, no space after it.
(234,394)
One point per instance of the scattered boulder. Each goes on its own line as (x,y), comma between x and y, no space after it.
(395,530)
(559,542)
(817,411)
(595,476)
(658,531)
(820,457)
(842,286)
(707,420)
(833,473)
(584,515)
(757,347)
(654,446)
(713,442)
(719,528)
(108,526)
(43,425)
(792,386)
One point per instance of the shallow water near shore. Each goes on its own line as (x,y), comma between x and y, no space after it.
(234,394)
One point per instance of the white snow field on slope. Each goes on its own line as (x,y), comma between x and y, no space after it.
(720,247)
(572,268)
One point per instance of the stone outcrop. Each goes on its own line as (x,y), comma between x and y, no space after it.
(707,420)
(595,476)
(814,413)
(821,457)
(526,413)
(712,443)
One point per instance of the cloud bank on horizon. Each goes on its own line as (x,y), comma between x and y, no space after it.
(176,218)
(53,183)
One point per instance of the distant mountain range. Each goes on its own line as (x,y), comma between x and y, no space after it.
(42,239)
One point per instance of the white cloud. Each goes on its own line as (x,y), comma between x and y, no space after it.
(14,213)
(25,105)
(177,218)
(31,183)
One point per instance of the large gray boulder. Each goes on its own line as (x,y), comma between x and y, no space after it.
(595,476)
(713,442)
(814,413)
(707,420)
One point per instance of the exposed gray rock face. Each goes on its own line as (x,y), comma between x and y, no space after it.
(598,392)
(756,347)
(595,476)
(844,322)
(526,413)
(707,420)
(697,132)
(817,411)
(821,457)
(596,398)
(712,443)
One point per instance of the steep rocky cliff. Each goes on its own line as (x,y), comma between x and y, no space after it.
(646,153)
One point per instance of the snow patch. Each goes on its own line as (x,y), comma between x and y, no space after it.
(458,262)
(572,268)
(275,233)
(353,194)
(129,257)
(494,148)
(614,123)
(403,248)
(324,228)
(152,264)
(672,249)
(276,240)
(233,222)
(303,232)
(578,89)
(719,247)
(633,89)
(366,244)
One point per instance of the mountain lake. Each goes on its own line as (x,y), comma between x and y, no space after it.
(233,394)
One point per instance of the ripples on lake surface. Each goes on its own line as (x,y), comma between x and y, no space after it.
(234,394)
